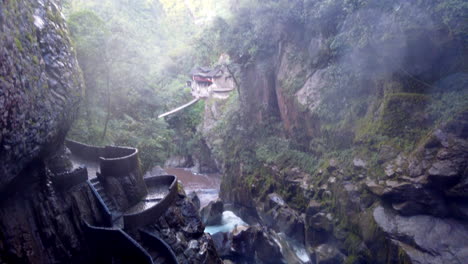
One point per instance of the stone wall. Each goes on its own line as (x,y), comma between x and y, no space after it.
(146,217)
(41,224)
(88,152)
(110,244)
(120,171)
(122,176)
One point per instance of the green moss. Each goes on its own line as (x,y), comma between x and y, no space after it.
(403,114)
(18,44)
(31,37)
(352,259)
(294,83)
(403,257)
(35,59)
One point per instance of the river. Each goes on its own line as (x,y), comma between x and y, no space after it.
(205,185)
(207,188)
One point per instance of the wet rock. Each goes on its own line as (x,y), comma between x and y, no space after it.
(318,229)
(193,197)
(425,239)
(459,209)
(328,254)
(444,173)
(34,117)
(313,208)
(461,189)
(212,213)
(274,200)
(410,198)
(359,163)
(278,216)
(182,228)
(374,187)
(332,165)
(223,243)
(389,170)
(60,162)
(255,243)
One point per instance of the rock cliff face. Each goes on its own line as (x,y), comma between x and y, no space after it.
(365,109)
(40,83)
(40,89)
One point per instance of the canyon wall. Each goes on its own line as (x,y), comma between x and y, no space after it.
(350,133)
(41,84)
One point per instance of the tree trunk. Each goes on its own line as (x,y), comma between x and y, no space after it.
(108,104)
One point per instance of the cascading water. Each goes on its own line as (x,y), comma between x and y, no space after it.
(228,223)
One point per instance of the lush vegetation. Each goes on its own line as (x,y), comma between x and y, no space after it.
(135,60)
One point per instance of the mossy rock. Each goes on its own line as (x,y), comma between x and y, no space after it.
(404,115)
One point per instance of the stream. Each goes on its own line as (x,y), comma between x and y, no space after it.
(207,188)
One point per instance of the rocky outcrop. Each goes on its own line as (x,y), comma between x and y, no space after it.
(40,89)
(277,215)
(212,213)
(350,107)
(41,224)
(44,205)
(182,228)
(40,83)
(430,179)
(252,244)
(425,239)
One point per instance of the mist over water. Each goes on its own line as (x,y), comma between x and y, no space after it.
(229,222)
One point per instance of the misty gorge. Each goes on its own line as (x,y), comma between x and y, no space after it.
(234,131)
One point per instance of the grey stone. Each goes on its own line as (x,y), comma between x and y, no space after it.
(212,213)
(425,239)
(359,163)
(444,173)
(274,200)
(193,197)
(332,165)
(255,243)
(328,254)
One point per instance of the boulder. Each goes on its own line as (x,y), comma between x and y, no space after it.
(193,197)
(38,100)
(274,200)
(332,165)
(459,209)
(328,254)
(410,198)
(223,243)
(287,220)
(424,238)
(212,213)
(313,208)
(319,229)
(461,189)
(255,243)
(444,173)
(359,163)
